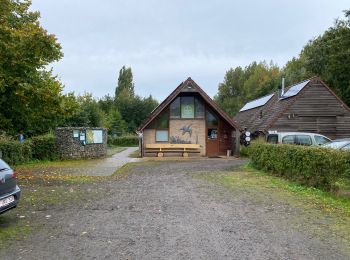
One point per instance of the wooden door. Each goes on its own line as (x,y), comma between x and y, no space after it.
(212,142)
(212,134)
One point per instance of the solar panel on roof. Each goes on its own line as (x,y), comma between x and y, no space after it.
(256,103)
(294,90)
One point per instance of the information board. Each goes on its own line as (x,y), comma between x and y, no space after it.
(94,136)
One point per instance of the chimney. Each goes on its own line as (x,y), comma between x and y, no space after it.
(279,92)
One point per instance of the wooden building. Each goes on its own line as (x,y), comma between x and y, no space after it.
(190,122)
(308,106)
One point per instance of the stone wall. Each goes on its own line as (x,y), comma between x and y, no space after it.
(69,147)
(188,131)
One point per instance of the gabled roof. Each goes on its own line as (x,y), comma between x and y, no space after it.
(275,107)
(188,85)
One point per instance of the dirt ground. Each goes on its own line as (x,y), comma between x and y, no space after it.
(161,210)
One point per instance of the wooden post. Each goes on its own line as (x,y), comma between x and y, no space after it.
(237,142)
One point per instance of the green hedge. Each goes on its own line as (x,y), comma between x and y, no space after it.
(14,152)
(44,147)
(40,148)
(127,140)
(312,166)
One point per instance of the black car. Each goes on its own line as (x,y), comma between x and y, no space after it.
(9,191)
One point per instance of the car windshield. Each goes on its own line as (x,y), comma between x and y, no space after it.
(336,144)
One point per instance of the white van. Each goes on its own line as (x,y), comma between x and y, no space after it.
(298,138)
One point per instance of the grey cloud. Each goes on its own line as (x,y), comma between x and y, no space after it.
(166,41)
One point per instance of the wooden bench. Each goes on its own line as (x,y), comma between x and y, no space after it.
(160,149)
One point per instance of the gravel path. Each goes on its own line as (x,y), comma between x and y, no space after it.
(160,211)
(95,167)
(110,164)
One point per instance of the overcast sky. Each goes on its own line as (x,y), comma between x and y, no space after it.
(164,42)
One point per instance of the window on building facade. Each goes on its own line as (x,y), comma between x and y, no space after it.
(199,108)
(161,122)
(175,108)
(187,107)
(212,120)
(162,135)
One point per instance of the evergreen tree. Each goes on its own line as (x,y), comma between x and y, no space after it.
(125,87)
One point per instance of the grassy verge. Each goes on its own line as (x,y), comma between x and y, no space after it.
(42,194)
(320,213)
(135,154)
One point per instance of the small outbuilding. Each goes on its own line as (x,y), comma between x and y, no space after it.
(190,122)
(81,142)
(308,106)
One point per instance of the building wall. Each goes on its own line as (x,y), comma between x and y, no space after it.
(188,131)
(193,131)
(149,136)
(318,111)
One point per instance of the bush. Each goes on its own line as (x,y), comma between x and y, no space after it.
(312,166)
(14,152)
(127,140)
(44,147)
(244,152)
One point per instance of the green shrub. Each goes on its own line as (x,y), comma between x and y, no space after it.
(244,152)
(127,140)
(44,147)
(14,152)
(312,166)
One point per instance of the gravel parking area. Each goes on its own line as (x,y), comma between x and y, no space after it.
(160,210)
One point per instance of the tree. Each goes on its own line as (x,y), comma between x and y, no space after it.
(242,85)
(125,87)
(29,95)
(135,110)
(295,71)
(132,108)
(327,56)
(106,103)
(231,94)
(87,113)
(115,124)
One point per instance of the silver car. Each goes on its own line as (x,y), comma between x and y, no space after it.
(340,144)
(298,138)
(9,191)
